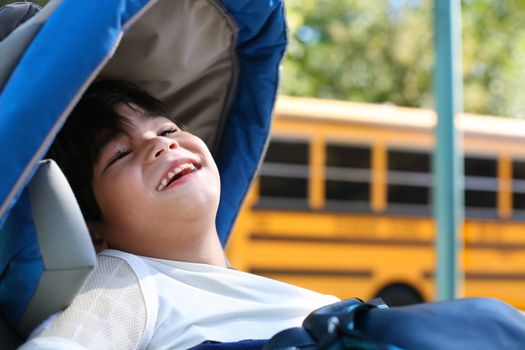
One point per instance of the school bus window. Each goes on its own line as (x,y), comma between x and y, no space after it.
(518,170)
(480,199)
(409,181)
(518,187)
(286,187)
(347,177)
(347,190)
(410,161)
(345,156)
(287,152)
(481,186)
(518,201)
(480,167)
(405,194)
(284,175)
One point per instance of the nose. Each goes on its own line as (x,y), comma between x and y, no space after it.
(160,145)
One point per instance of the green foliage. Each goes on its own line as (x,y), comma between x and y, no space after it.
(382,51)
(359,50)
(494,57)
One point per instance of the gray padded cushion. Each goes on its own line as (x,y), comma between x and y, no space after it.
(15,44)
(13,15)
(67,251)
(193,71)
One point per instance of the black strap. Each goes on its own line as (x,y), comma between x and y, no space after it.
(335,326)
(292,338)
(249,344)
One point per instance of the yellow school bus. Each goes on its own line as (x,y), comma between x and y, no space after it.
(343,203)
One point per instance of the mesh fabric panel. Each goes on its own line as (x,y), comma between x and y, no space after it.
(108,313)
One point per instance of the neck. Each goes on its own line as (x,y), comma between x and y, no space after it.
(206,250)
(190,243)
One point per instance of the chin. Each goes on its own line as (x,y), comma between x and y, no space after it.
(199,204)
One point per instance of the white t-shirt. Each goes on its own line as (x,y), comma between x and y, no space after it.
(184,304)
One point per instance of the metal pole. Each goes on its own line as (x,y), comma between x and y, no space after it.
(448,165)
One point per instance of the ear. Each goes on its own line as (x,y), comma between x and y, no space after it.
(95,231)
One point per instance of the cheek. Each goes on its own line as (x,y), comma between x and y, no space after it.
(118,198)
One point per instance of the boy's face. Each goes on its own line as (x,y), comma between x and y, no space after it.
(151,183)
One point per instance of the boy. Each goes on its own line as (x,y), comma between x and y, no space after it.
(149,191)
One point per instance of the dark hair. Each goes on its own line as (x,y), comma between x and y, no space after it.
(90,125)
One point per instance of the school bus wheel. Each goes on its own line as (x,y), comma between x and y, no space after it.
(399,294)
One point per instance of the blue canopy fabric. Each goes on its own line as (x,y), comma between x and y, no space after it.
(61,61)
(73,46)
(261,45)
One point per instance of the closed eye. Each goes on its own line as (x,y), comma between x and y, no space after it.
(117,156)
(168,131)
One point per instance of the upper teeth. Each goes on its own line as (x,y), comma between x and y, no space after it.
(174,172)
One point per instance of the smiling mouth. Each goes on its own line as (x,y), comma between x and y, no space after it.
(176,173)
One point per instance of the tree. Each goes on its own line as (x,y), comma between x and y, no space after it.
(359,50)
(494,57)
(382,51)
